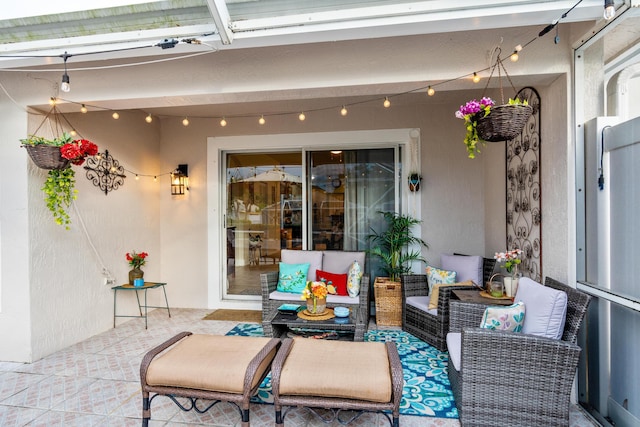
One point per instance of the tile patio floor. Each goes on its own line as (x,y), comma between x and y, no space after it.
(96,383)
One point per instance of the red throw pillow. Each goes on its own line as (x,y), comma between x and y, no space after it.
(339,281)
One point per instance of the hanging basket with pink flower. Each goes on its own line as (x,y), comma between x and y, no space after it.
(487,122)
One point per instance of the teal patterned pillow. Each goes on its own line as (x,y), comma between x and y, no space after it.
(436,275)
(501,318)
(292,277)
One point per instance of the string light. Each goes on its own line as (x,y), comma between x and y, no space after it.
(155,179)
(386,102)
(514,56)
(609,10)
(301,116)
(83,109)
(476,77)
(431,91)
(137,177)
(344,111)
(115,115)
(185,122)
(148,119)
(261,120)
(65,86)
(52,101)
(223,122)
(73,132)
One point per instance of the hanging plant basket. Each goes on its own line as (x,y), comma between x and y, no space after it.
(47,156)
(504,122)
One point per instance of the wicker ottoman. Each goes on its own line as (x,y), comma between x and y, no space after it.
(209,367)
(337,375)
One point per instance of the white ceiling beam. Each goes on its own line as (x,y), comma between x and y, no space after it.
(220,14)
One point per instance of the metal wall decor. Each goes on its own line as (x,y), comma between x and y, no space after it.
(524,210)
(105,172)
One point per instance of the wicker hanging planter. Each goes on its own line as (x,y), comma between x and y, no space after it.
(504,122)
(47,156)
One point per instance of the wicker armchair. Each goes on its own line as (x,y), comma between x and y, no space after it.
(432,327)
(508,378)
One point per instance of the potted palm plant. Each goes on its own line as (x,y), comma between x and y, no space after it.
(393,246)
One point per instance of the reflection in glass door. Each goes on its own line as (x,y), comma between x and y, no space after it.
(263,215)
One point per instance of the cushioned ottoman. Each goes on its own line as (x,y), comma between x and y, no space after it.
(357,376)
(209,367)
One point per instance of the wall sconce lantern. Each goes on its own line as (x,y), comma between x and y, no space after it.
(180,180)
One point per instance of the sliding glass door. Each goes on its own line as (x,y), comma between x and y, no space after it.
(329,201)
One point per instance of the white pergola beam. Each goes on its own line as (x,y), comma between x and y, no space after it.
(220,14)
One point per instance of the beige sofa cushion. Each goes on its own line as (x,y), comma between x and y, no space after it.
(314,258)
(342,369)
(209,362)
(339,262)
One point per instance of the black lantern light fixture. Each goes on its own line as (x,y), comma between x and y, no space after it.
(180,180)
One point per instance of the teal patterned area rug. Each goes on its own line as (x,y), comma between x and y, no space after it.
(426,391)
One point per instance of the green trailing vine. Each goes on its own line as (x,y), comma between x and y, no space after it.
(59,190)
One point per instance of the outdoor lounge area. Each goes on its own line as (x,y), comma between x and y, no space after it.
(162,159)
(96,382)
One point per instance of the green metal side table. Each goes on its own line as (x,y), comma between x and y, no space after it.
(145,288)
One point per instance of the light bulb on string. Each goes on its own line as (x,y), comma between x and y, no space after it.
(386,102)
(65,86)
(52,101)
(155,179)
(137,177)
(301,116)
(609,10)
(344,111)
(514,56)
(223,122)
(148,119)
(261,120)
(73,132)
(476,77)
(83,109)
(431,91)
(185,122)
(115,115)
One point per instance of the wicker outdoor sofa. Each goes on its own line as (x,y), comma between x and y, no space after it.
(513,378)
(331,261)
(432,327)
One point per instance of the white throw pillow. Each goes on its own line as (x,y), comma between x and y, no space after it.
(546,308)
(467,267)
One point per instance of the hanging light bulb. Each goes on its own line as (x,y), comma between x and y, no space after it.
(476,77)
(514,56)
(386,102)
(344,111)
(185,122)
(301,116)
(155,179)
(137,177)
(52,101)
(73,132)
(83,109)
(65,86)
(148,119)
(609,10)
(115,115)
(431,91)
(223,122)
(261,120)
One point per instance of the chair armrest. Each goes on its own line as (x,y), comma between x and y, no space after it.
(365,284)
(268,284)
(500,363)
(464,314)
(414,285)
(444,299)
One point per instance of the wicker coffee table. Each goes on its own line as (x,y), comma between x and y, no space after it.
(278,324)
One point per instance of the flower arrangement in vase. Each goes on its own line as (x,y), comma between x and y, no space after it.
(316,295)
(511,260)
(59,187)
(136,260)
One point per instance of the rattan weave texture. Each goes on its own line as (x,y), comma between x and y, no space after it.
(47,156)
(509,378)
(504,122)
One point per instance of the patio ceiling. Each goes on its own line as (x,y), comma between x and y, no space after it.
(40,28)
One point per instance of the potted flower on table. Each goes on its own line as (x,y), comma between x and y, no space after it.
(316,295)
(511,260)
(136,260)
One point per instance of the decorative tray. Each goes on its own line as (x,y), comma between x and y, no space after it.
(485,294)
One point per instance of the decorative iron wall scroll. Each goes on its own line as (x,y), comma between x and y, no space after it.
(524,210)
(105,172)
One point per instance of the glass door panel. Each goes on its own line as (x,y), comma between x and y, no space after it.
(264,215)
